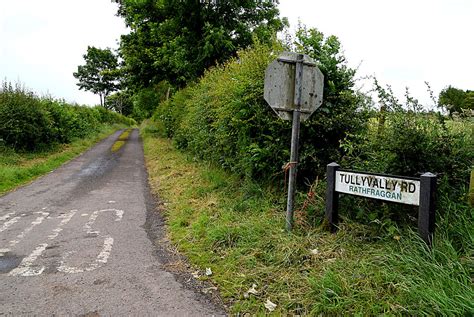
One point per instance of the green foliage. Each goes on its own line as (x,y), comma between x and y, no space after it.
(410,141)
(121,102)
(146,100)
(30,123)
(100,73)
(456,100)
(24,122)
(177,40)
(225,119)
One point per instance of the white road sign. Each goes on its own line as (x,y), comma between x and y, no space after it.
(400,190)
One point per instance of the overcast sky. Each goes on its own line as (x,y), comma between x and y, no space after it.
(403,42)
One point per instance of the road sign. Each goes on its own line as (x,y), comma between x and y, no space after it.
(280,83)
(389,188)
(400,189)
(294,90)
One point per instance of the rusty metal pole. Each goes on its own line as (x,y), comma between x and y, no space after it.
(295,136)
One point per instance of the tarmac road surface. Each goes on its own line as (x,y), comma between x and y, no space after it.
(74,243)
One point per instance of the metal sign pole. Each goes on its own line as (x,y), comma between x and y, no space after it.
(295,136)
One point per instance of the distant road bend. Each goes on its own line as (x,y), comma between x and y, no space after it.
(73,243)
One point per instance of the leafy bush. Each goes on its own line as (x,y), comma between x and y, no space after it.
(24,122)
(30,123)
(407,140)
(224,118)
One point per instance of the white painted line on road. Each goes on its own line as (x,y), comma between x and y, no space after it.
(104,254)
(38,221)
(93,217)
(5,217)
(119,214)
(101,259)
(66,218)
(111,201)
(3,251)
(25,268)
(9,223)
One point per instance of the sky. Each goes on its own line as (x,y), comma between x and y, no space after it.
(43,42)
(403,43)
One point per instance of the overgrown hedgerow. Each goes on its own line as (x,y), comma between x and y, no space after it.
(224,119)
(28,122)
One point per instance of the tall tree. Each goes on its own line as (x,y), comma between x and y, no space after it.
(100,74)
(176,40)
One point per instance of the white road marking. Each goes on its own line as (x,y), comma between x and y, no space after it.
(38,221)
(19,237)
(3,251)
(9,223)
(101,259)
(66,218)
(25,268)
(84,215)
(104,254)
(111,201)
(5,217)
(119,214)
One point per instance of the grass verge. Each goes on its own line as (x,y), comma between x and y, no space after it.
(235,228)
(20,168)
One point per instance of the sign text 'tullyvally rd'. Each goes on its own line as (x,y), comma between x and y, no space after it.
(401,190)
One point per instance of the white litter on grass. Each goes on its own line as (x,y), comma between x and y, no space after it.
(270,306)
(314,251)
(252,290)
(195,274)
(209,289)
(208,271)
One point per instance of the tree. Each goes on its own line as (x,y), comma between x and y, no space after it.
(121,102)
(455,100)
(176,40)
(100,74)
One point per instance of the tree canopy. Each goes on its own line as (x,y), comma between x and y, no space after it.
(456,100)
(176,40)
(100,73)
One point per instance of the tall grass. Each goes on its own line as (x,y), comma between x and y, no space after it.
(236,228)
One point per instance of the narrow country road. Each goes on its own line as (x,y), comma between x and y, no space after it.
(74,243)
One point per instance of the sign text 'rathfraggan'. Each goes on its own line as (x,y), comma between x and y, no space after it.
(394,189)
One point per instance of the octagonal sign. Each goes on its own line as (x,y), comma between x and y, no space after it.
(279,89)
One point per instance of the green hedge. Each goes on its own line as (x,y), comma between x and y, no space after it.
(224,118)
(30,123)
